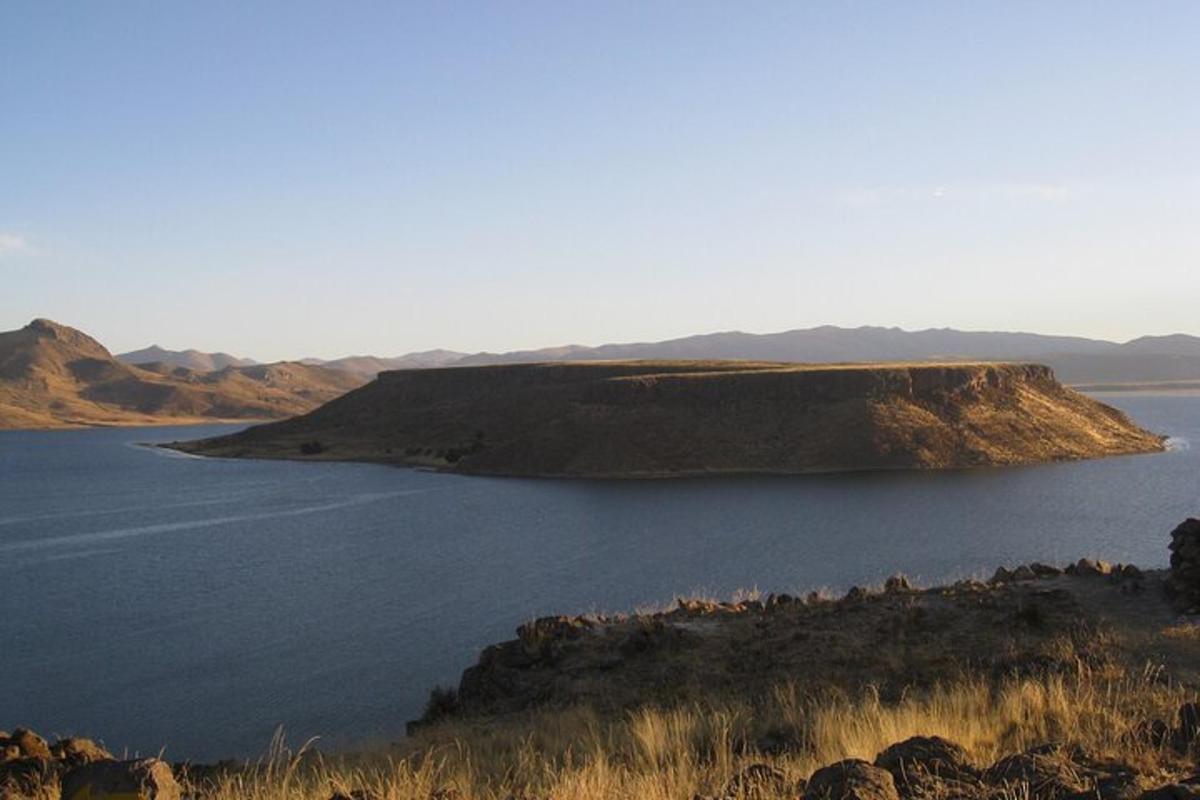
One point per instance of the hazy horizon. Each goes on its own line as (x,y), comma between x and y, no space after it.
(312,180)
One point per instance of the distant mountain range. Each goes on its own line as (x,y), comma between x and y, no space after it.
(52,376)
(1076,360)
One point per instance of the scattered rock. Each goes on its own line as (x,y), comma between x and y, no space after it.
(1086,567)
(553,629)
(1023,573)
(852,779)
(143,779)
(779,600)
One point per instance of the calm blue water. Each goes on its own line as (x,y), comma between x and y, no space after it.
(152,599)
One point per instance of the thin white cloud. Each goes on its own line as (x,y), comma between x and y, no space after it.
(872,196)
(13,244)
(1048,192)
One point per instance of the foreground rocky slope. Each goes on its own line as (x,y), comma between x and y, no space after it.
(647,419)
(892,637)
(1043,683)
(53,376)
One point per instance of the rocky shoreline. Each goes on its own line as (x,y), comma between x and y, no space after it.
(680,654)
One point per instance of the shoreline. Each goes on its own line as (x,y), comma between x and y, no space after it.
(661,475)
(161,422)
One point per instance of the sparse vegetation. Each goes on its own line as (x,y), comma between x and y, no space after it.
(676,753)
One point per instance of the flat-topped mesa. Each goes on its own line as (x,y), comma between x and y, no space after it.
(672,418)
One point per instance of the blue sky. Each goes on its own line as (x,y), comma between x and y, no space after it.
(294,178)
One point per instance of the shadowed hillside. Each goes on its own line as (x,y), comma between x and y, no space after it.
(55,376)
(651,419)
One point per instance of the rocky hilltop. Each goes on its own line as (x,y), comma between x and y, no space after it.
(54,376)
(668,418)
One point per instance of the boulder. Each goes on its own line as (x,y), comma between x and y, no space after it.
(930,767)
(1188,718)
(77,751)
(25,778)
(1154,732)
(758,782)
(1048,771)
(897,584)
(1044,570)
(142,779)
(780,739)
(852,779)
(1183,582)
(30,744)
(1122,784)
(931,754)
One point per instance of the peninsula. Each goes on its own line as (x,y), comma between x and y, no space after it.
(641,419)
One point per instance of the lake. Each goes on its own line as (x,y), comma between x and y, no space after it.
(151,599)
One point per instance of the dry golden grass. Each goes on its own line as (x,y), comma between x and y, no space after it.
(673,754)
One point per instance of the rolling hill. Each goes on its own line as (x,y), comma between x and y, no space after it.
(370,366)
(54,376)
